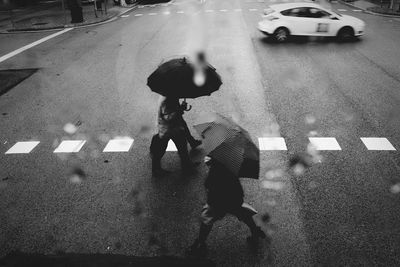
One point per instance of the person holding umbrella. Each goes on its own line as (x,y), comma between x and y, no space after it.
(175,79)
(171,126)
(231,154)
(224,195)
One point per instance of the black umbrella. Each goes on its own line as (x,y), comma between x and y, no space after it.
(231,145)
(176,78)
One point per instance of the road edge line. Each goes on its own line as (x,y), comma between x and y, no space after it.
(28,46)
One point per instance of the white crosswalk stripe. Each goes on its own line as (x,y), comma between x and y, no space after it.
(340,9)
(124,144)
(253,9)
(22,147)
(70,146)
(357,10)
(324,143)
(138,15)
(119,145)
(377,143)
(272,143)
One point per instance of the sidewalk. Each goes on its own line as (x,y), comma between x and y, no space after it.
(375,7)
(48,16)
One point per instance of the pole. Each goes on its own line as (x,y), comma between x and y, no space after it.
(64,12)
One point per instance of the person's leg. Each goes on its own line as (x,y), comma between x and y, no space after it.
(181,145)
(247,217)
(191,140)
(157,149)
(208,217)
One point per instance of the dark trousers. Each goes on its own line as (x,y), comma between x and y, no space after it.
(188,135)
(159,145)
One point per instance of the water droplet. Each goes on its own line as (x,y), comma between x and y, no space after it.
(274,174)
(70,128)
(272,185)
(299,169)
(310,119)
(395,189)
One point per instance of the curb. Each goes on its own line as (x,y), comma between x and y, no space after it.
(369,12)
(106,20)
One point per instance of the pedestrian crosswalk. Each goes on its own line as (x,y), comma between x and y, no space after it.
(124,144)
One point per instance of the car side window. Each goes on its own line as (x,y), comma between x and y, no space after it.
(295,12)
(318,13)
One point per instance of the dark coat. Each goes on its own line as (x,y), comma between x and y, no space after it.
(224,190)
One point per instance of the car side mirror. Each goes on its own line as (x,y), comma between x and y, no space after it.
(333,17)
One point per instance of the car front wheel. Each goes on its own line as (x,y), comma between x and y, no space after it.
(281,34)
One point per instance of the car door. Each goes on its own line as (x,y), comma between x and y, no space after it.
(296,20)
(325,23)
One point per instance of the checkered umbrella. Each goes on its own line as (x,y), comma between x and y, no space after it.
(231,145)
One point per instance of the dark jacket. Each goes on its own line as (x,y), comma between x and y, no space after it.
(224,190)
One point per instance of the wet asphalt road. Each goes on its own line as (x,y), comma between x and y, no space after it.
(343,210)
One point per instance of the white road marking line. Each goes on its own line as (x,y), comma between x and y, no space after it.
(171,146)
(22,147)
(167,13)
(340,9)
(209,10)
(26,47)
(180,12)
(152,14)
(70,146)
(357,10)
(238,9)
(272,143)
(138,15)
(124,16)
(223,10)
(324,143)
(119,145)
(253,9)
(377,143)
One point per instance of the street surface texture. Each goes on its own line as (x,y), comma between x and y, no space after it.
(75,170)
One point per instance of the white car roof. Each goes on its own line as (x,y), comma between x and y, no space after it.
(280,7)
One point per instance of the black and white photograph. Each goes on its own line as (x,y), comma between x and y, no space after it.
(199,133)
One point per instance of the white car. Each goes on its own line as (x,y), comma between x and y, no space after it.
(310,19)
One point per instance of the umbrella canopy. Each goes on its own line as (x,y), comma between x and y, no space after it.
(176,78)
(231,145)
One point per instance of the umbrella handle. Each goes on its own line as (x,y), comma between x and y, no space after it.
(189,108)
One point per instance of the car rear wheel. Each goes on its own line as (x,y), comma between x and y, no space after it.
(281,34)
(346,34)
